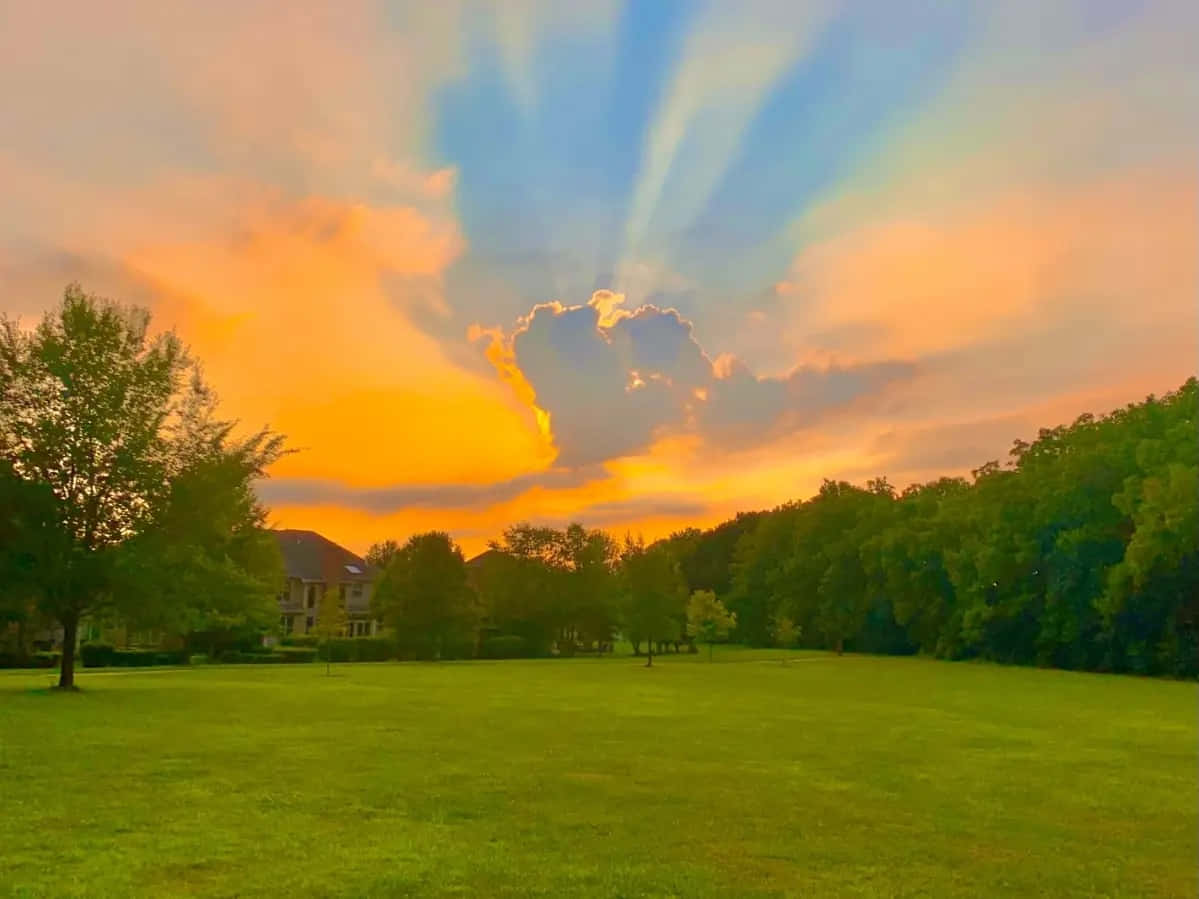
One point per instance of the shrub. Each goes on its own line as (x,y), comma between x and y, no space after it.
(134,658)
(30,660)
(198,658)
(282,655)
(102,655)
(459,648)
(300,640)
(358,649)
(97,655)
(508,646)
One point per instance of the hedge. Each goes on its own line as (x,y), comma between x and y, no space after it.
(300,640)
(358,649)
(102,655)
(282,655)
(30,660)
(508,646)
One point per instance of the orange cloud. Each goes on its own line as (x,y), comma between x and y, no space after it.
(1120,248)
(300,315)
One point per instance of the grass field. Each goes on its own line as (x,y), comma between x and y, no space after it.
(826,776)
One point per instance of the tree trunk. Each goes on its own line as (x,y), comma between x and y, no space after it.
(709,652)
(649,645)
(70,630)
(840,645)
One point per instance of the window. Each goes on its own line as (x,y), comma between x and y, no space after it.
(356,591)
(312,596)
(308,624)
(353,569)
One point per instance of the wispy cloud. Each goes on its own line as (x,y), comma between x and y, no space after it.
(733,55)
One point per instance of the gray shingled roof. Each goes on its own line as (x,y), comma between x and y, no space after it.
(310,557)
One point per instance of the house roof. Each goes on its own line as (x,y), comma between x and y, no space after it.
(482,557)
(310,557)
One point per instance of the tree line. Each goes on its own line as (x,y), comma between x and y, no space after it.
(537,591)
(124,494)
(1081,552)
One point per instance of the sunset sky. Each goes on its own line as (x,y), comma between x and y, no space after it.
(640,264)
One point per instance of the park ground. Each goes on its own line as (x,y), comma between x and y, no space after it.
(746,777)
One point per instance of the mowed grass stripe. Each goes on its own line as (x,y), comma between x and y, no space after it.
(860,776)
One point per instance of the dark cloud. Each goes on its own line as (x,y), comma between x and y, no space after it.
(33,277)
(312,491)
(613,381)
(604,515)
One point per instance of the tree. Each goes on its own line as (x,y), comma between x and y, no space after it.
(655,594)
(707,619)
(552,587)
(118,432)
(25,510)
(784,631)
(424,595)
(331,621)
(380,554)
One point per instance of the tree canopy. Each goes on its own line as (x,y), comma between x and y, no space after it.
(136,498)
(423,595)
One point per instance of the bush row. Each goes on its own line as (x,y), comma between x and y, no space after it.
(358,649)
(281,655)
(507,646)
(102,655)
(300,640)
(30,659)
(302,648)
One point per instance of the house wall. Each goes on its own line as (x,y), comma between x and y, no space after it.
(294,597)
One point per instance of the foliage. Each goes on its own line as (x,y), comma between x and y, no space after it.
(655,594)
(358,649)
(30,659)
(707,619)
(505,646)
(1082,552)
(102,655)
(300,640)
(424,597)
(553,588)
(134,497)
(784,632)
(331,620)
(280,655)
(380,554)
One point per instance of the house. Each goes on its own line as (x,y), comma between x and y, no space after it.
(316,568)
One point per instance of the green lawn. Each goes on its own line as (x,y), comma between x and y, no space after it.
(853,776)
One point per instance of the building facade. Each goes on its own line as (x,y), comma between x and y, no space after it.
(318,570)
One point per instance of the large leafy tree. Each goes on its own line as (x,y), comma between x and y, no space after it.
(655,594)
(145,505)
(425,597)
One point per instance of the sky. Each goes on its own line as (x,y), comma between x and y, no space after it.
(637,264)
